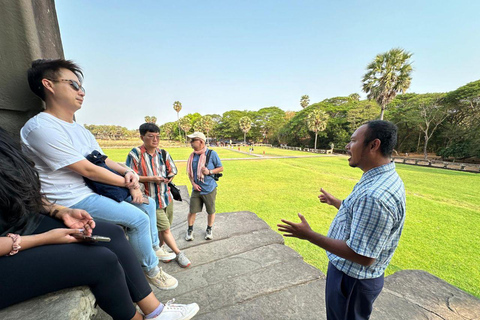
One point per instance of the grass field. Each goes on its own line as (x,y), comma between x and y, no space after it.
(274,152)
(441,233)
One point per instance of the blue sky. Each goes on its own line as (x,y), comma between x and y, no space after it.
(213,56)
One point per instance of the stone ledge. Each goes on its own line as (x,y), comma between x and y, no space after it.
(69,304)
(247,272)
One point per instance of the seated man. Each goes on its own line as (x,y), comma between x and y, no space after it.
(58,146)
(156,171)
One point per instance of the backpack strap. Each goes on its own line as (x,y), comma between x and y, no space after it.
(209,152)
(164,156)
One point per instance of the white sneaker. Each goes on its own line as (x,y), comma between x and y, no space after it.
(173,311)
(182,260)
(163,281)
(165,256)
(209,234)
(189,235)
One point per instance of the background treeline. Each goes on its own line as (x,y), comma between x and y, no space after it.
(447,124)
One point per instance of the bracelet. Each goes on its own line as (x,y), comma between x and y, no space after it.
(16,243)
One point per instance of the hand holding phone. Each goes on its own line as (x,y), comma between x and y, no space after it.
(92,238)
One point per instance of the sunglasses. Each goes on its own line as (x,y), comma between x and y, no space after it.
(74,84)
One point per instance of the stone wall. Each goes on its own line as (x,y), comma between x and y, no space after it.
(29,31)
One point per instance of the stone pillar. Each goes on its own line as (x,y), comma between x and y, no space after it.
(29,30)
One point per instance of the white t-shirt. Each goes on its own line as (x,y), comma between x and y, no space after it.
(54,144)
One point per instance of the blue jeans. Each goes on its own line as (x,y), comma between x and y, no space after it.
(139,219)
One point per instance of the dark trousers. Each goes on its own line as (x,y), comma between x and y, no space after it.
(110,269)
(347,298)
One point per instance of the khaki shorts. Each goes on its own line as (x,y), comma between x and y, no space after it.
(165,217)
(197,200)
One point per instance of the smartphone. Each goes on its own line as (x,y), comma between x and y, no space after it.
(145,200)
(92,238)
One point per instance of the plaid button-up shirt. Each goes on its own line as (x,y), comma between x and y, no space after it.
(371,220)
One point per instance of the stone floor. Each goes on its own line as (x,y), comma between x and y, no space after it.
(246,272)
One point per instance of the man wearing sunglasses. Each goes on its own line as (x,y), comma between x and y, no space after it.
(202,165)
(59,146)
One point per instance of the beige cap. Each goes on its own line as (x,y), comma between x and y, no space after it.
(198,135)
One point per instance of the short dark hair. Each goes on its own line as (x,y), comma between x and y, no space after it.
(148,127)
(385,131)
(49,69)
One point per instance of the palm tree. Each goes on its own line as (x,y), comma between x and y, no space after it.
(168,128)
(177,106)
(207,124)
(245,124)
(304,101)
(387,75)
(317,121)
(185,124)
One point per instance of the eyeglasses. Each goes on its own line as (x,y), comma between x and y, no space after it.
(193,140)
(74,84)
(153,137)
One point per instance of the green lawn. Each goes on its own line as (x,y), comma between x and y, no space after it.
(274,152)
(441,233)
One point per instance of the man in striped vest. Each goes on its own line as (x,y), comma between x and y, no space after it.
(155,172)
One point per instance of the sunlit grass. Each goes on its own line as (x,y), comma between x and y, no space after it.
(441,233)
(272,152)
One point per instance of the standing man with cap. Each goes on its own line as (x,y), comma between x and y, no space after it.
(202,165)
(365,232)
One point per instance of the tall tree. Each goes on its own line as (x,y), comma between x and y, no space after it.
(207,124)
(317,121)
(432,112)
(185,124)
(177,106)
(387,75)
(245,124)
(269,121)
(304,101)
(148,119)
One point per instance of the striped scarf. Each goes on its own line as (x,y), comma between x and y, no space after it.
(201,164)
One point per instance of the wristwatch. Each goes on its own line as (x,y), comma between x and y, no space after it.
(209,172)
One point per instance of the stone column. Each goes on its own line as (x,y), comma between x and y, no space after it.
(29,30)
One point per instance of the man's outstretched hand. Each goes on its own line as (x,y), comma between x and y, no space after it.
(300,230)
(327,198)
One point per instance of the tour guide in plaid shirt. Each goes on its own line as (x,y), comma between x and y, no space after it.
(365,232)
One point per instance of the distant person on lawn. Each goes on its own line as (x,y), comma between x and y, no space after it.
(366,230)
(58,145)
(204,187)
(155,173)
